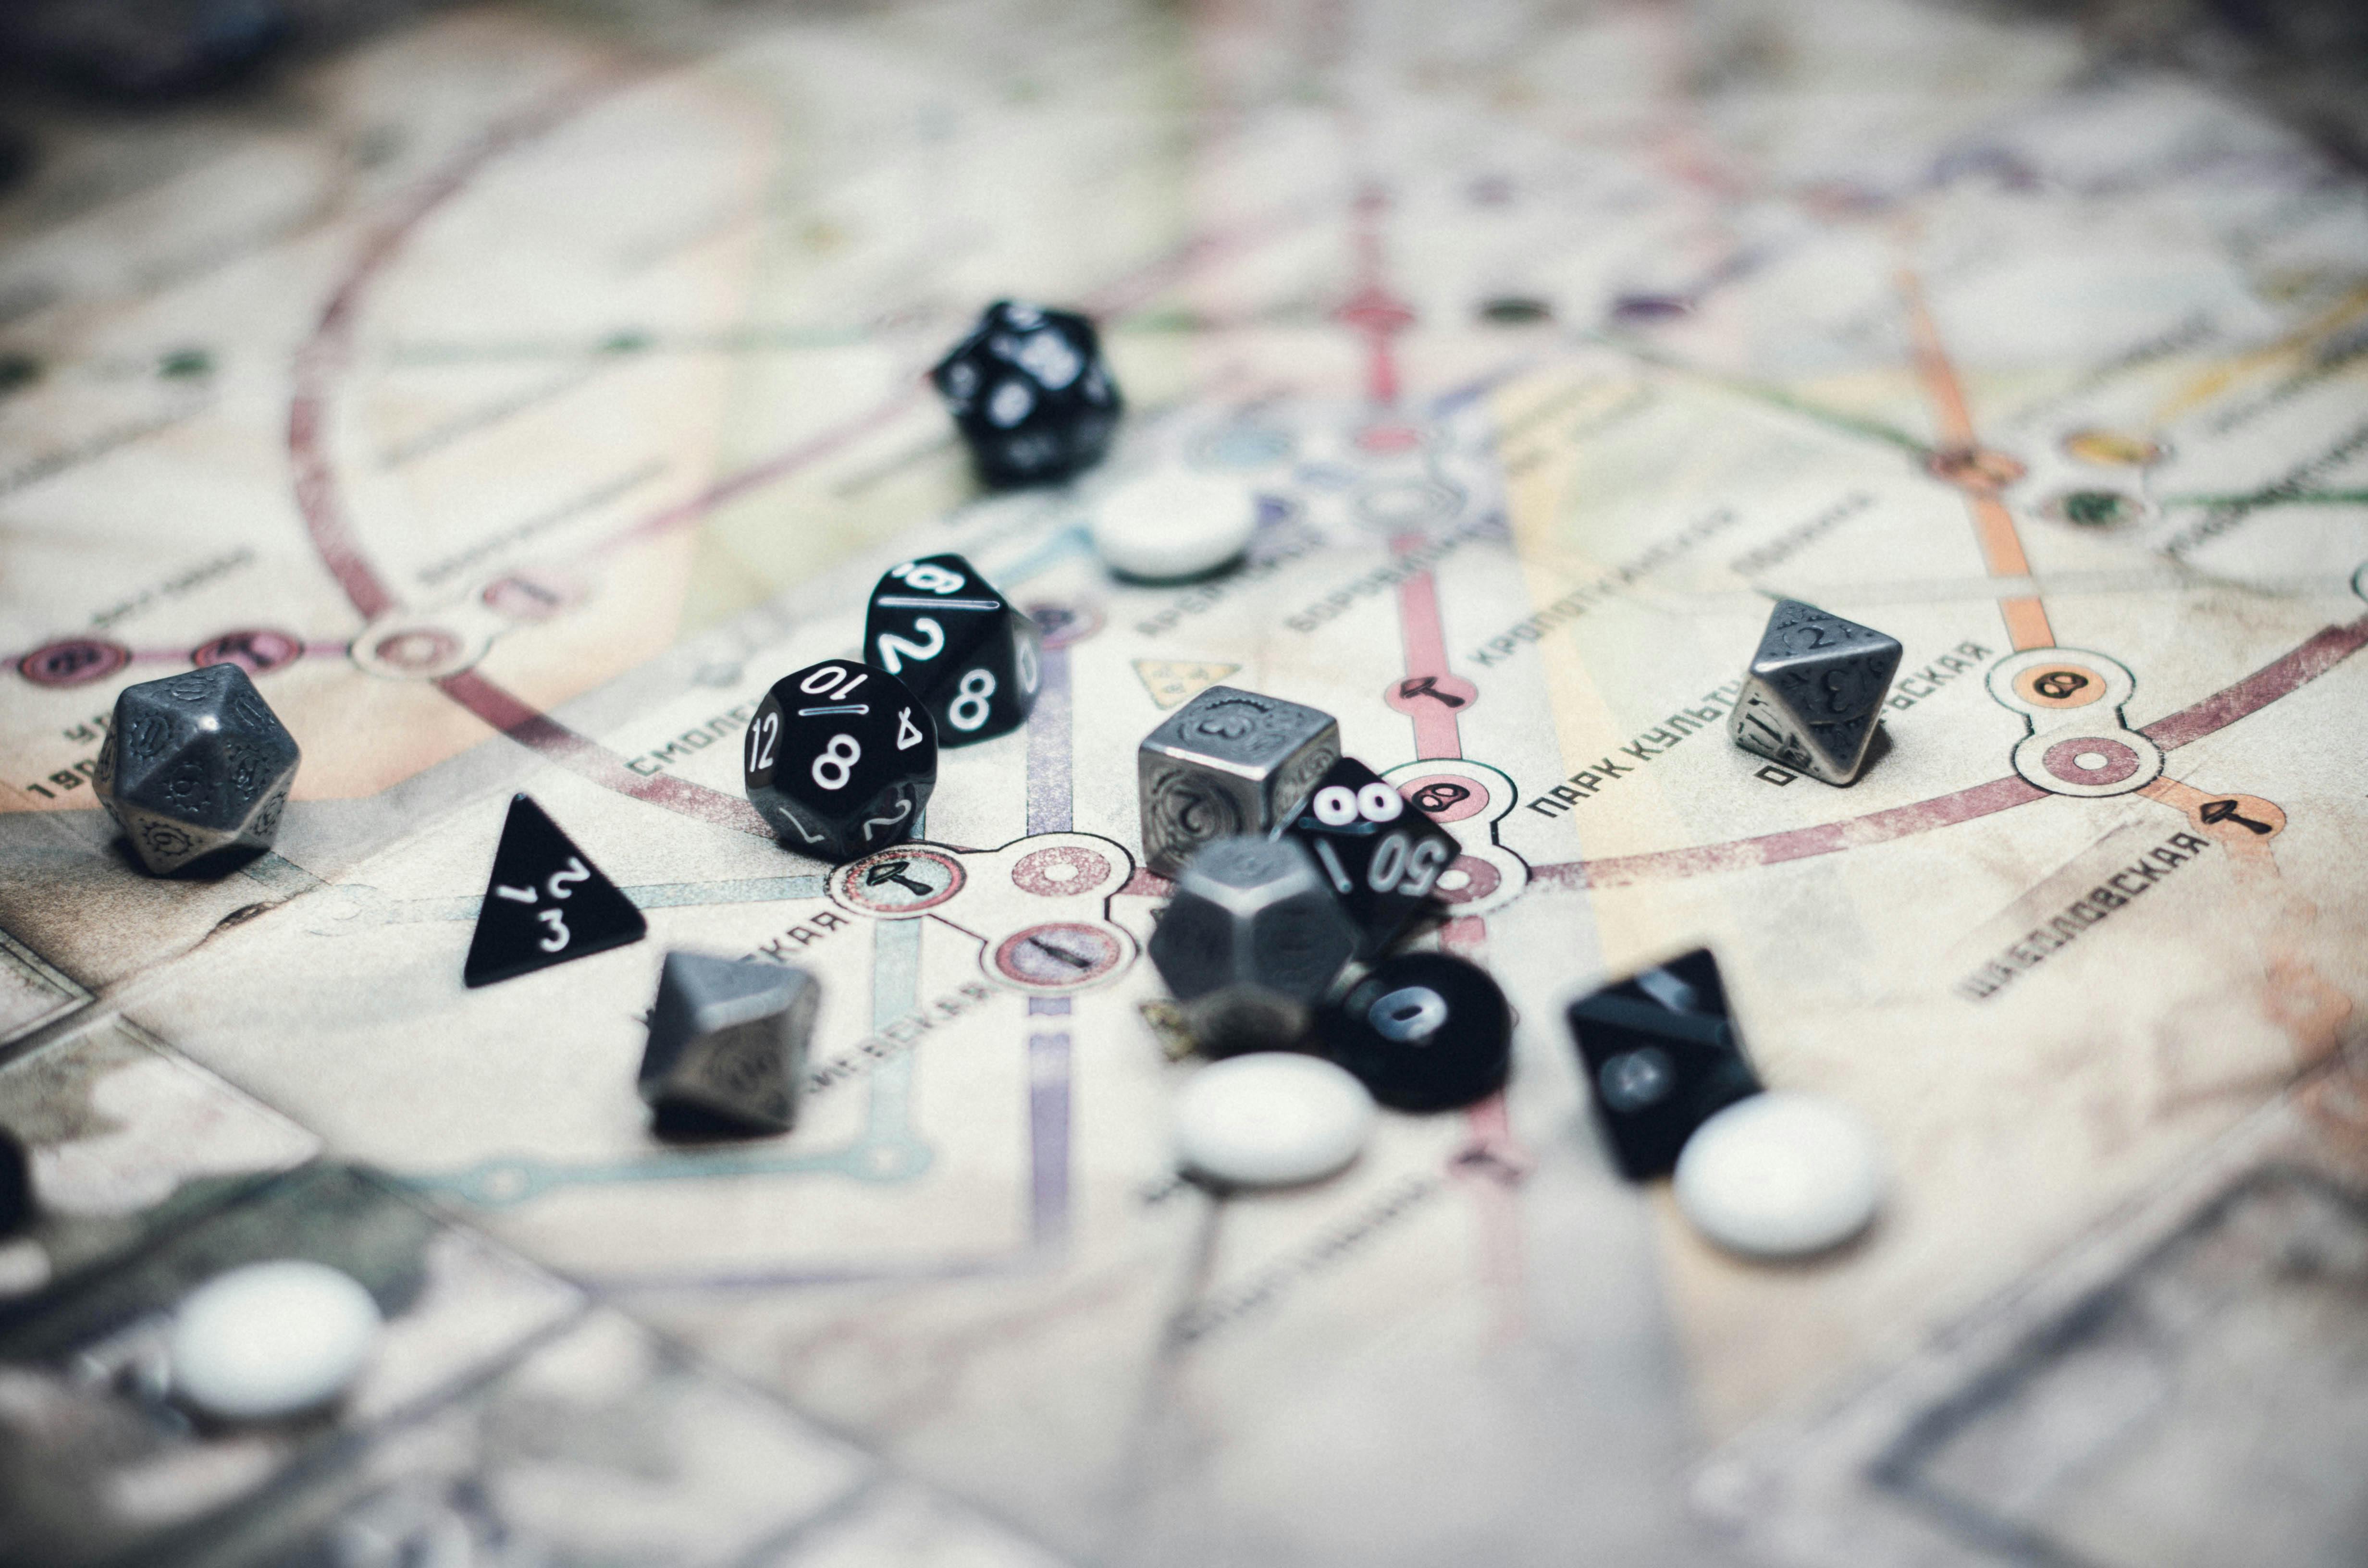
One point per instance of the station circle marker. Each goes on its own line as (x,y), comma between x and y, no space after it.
(1061,870)
(2062,684)
(1977,470)
(72,661)
(1443,797)
(2092,760)
(258,652)
(905,879)
(1479,881)
(1060,955)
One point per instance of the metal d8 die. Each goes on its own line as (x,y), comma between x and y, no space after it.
(1814,692)
(1228,761)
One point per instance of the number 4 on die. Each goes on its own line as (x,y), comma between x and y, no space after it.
(545,904)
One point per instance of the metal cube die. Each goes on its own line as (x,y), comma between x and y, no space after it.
(1814,692)
(728,1041)
(1228,761)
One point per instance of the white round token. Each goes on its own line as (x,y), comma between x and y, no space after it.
(1781,1174)
(1271,1118)
(270,1339)
(1174,524)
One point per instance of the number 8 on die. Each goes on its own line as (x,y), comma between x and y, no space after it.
(971,658)
(841,758)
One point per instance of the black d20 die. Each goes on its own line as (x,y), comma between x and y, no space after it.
(840,759)
(1030,392)
(1662,1058)
(971,659)
(1380,855)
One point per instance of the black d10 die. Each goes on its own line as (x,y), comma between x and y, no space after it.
(971,659)
(840,759)
(1662,1058)
(1423,1031)
(1031,393)
(1379,854)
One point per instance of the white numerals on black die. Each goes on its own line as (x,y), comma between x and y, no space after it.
(556,936)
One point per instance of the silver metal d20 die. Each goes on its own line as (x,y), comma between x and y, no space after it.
(1251,941)
(728,1041)
(1227,761)
(195,764)
(1814,692)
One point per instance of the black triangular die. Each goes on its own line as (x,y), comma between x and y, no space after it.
(545,904)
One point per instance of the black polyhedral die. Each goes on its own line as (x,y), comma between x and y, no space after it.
(1031,393)
(17,1208)
(1379,854)
(1661,1058)
(972,659)
(840,759)
(1423,1031)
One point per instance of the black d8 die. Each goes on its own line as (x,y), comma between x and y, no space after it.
(971,659)
(1380,855)
(1662,1058)
(1031,393)
(840,759)
(1423,1031)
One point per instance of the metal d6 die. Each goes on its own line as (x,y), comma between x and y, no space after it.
(728,1041)
(975,660)
(195,765)
(1228,761)
(1380,855)
(1251,941)
(1814,692)
(840,759)
(1030,392)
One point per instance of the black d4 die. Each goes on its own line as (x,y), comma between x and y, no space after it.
(840,759)
(1379,854)
(972,659)
(1031,393)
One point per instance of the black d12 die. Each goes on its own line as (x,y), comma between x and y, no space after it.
(972,659)
(840,759)
(1031,393)
(1380,855)
(1662,1058)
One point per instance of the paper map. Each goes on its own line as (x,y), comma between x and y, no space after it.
(521,392)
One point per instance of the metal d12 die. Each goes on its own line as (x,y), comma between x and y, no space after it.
(728,1041)
(972,659)
(1250,942)
(195,764)
(840,759)
(1380,855)
(1814,692)
(1227,761)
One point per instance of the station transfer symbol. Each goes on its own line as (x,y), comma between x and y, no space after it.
(545,904)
